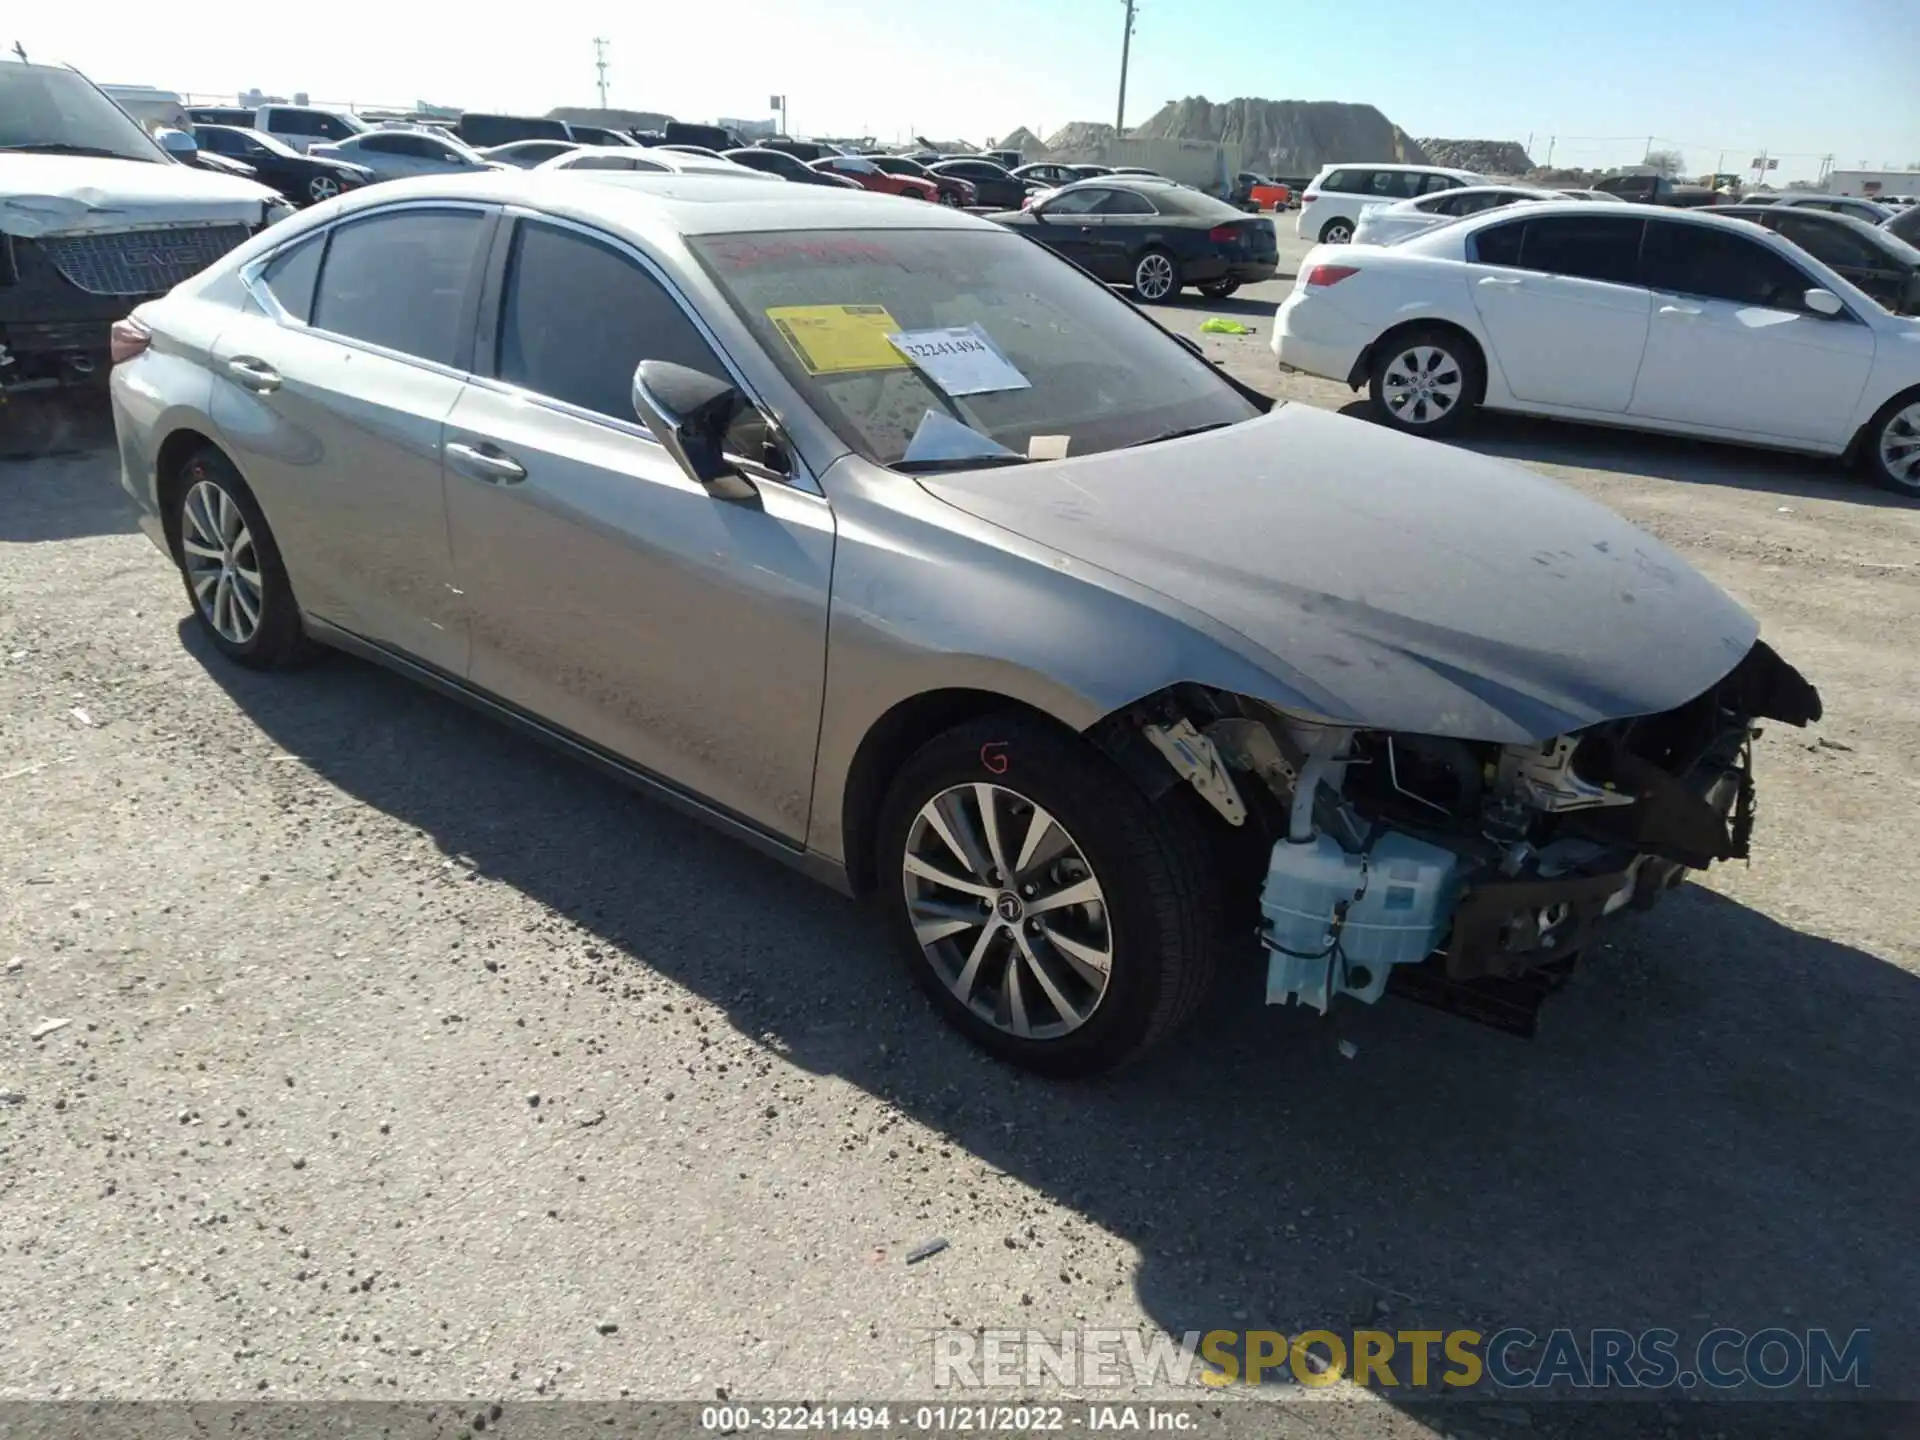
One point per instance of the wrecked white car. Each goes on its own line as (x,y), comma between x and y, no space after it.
(94,218)
(899,548)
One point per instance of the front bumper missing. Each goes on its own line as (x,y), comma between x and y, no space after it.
(1509,942)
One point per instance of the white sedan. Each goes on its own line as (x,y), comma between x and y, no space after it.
(1654,319)
(1384,223)
(630,158)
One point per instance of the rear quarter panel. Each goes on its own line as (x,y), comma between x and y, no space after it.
(165,390)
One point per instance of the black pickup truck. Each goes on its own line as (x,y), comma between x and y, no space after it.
(1656,190)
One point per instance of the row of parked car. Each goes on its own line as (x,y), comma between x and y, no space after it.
(1873,245)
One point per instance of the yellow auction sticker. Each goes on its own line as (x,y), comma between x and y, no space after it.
(839,339)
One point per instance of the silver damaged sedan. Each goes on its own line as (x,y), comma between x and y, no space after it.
(902,549)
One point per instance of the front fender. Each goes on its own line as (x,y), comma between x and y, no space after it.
(927,598)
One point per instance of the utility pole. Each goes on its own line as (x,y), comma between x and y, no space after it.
(1126,46)
(21,51)
(600,64)
(1552,140)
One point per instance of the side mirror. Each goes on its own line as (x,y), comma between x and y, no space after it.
(1823,302)
(179,144)
(688,413)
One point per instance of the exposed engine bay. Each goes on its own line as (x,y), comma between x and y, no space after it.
(1463,874)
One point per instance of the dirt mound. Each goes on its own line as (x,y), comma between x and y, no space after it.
(1287,137)
(1488,157)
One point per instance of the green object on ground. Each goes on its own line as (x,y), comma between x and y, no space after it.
(1219,326)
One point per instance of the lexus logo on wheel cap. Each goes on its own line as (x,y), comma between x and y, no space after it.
(1008,906)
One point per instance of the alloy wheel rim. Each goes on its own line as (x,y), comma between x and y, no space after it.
(1338,234)
(1900,446)
(1007,911)
(1422,384)
(323,188)
(1154,276)
(222,566)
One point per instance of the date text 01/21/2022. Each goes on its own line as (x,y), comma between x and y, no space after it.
(941,1419)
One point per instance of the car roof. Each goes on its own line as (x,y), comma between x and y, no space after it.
(703,204)
(1396,165)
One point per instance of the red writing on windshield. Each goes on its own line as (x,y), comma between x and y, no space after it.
(742,253)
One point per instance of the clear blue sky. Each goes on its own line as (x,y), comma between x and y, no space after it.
(1801,79)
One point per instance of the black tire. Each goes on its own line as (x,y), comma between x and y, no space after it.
(1449,379)
(1219,289)
(1337,231)
(1890,445)
(278,640)
(950,200)
(1151,862)
(1156,276)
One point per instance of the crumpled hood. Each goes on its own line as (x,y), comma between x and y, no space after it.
(1388,581)
(62,194)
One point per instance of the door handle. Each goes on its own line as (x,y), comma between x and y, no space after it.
(1501,282)
(484,462)
(1685,312)
(256,375)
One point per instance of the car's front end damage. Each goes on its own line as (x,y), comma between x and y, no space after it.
(1466,874)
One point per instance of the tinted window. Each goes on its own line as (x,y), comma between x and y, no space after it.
(1834,244)
(1598,247)
(1125,202)
(220,142)
(605,162)
(290,276)
(1698,260)
(383,145)
(1077,202)
(401,280)
(1500,244)
(1433,184)
(1349,182)
(331,126)
(578,317)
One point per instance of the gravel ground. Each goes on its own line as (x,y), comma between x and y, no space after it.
(351,1046)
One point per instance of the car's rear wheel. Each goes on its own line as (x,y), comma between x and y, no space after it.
(1156,276)
(322,187)
(949,199)
(1893,445)
(235,580)
(1050,910)
(1336,232)
(1219,289)
(1425,380)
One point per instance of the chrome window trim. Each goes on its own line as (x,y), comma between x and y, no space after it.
(252,271)
(802,480)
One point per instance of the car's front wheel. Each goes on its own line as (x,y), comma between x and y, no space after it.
(1049,909)
(1219,289)
(1156,276)
(322,187)
(1893,445)
(1425,380)
(232,568)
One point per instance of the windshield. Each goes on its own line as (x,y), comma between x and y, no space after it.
(1067,361)
(272,144)
(44,107)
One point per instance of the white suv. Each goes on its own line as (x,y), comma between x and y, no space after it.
(1331,207)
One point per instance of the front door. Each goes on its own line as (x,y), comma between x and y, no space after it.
(1733,345)
(609,594)
(1558,301)
(333,406)
(1064,224)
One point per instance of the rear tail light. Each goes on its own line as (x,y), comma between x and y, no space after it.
(127,339)
(1226,232)
(1330,274)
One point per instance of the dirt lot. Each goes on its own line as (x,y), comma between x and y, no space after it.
(403,1059)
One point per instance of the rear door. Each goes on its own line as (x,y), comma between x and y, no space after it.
(611,595)
(1560,302)
(1116,230)
(1833,243)
(1064,224)
(331,394)
(1732,345)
